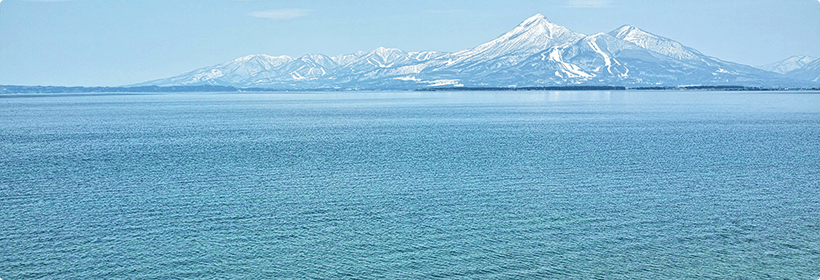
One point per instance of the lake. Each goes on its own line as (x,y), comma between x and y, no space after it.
(418,185)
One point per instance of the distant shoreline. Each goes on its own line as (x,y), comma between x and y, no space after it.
(617,88)
(11,89)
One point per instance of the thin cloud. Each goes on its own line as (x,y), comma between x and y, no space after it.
(588,4)
(281,14)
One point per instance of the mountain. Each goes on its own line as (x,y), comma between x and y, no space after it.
(238,71)
(799,67)
(789,64)
(689,66)
(652,42)
(531,36)
(809,72)
(537,52)
(595,59)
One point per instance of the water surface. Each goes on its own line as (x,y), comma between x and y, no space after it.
(394,185)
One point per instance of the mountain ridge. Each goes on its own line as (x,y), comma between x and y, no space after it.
(789,64)
(535,53)
(799,67)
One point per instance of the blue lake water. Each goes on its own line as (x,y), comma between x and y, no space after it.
(397,185)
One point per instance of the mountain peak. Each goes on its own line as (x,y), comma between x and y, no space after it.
(314,56)
(541,25)
(259,61)
(533,35)
(789,64)
(624,31)
(262,57)
(384,52)
(536,52)
(536,19)
(317,60)
(801,58)
(383,49)
(628,32)
(652,42)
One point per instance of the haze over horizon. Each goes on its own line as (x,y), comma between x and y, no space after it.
(97,43)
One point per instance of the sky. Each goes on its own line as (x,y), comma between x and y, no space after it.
(112,43)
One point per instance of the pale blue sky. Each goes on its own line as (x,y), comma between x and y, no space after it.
(112,42)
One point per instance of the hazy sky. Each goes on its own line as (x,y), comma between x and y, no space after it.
(113,42)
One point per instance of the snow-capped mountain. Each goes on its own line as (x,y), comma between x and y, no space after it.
(652,42)
(798,67)
(809,72)
(789,64)
(382,62)
(233,72)
(531,36)
(537,52)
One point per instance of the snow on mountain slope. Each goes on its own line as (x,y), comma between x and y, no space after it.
(310,66)
(426,55)
(597,54)
(789,64)
(599,59)
(534,53)
(702,69)
(384,59)
(603,59)
(229,73)
(345,59)
(662,45)
(378,58)
(531,36)
(306,68)
(809,72)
